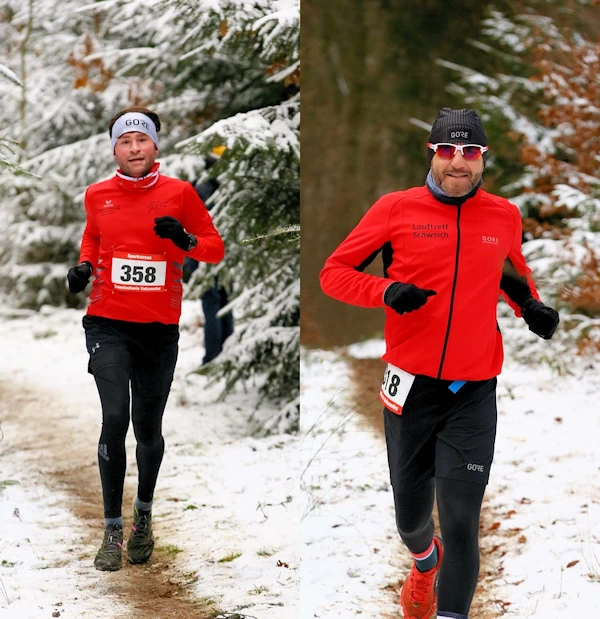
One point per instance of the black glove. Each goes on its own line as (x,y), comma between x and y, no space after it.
(406,297)
(170,228)
(542,320)
(79,276)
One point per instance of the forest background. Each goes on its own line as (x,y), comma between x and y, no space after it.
(375,74)
(373,87)
(218,73)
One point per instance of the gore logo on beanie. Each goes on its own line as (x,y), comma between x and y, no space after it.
(457,127)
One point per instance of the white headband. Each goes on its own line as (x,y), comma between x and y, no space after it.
(133,121)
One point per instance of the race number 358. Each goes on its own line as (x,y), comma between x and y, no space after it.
(395,387)
(131,271)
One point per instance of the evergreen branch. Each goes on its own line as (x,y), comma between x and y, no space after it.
(15,168)
(276,232)
(10,75)
(4,144)
(281,75)
(141,54)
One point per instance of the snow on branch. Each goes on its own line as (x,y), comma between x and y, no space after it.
(6,147)
(259,130)
(277,232)
(10,75)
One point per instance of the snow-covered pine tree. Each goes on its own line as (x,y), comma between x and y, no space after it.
(8,147)
(236,63)
(79,63)
(56,118)
(257,206)
(194,63)
(544,107)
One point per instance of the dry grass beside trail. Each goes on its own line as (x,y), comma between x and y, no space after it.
(63,457)
(367,375)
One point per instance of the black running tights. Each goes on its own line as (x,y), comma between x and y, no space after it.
(459,506)
(146,414)
(143,357)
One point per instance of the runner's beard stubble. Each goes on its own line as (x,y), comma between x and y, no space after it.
(456,186)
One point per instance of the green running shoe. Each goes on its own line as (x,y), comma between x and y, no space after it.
(108,558)
(141,541)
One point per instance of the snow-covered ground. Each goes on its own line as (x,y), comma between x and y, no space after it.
(222,492)
(544,495)
(226,505)
(349,548)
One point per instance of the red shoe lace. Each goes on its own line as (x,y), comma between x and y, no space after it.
(422,586)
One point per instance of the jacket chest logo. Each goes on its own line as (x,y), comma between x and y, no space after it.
(156,205)
(108,207)
(430,231)
(490,240)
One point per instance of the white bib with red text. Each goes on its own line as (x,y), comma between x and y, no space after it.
(138,272)
(395,387)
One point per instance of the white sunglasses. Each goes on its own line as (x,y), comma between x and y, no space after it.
(470,152)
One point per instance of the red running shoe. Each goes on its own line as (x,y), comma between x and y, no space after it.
(418,597)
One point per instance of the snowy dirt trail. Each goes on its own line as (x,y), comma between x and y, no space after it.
(69,467)
(539,541)
(366,374)
(226,512)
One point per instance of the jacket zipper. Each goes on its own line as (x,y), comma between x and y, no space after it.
(452,294)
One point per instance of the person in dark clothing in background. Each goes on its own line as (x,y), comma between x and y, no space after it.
(216,330)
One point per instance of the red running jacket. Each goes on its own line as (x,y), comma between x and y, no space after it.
(459,252)
(138,274)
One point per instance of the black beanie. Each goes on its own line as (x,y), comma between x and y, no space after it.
(457,127)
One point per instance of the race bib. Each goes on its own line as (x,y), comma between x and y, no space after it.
(138,272)
(395,387)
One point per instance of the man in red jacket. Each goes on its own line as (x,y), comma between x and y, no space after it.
(139,227)
(449,248)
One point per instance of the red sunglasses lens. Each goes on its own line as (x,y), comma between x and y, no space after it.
(470,153)
(445,152)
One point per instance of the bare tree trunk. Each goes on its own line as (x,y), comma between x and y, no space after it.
(347,118)
(368,67)
(23,54)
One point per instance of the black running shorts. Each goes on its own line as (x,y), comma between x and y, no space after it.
(442,434)
(147,351)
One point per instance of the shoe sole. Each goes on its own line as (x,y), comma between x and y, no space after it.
(136,558)
(107,568)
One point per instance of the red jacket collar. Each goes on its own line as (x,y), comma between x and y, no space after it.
(138,184)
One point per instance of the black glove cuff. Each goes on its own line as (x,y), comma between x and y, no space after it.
(390,291)
(531,304)
(193,241)
(517,290)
